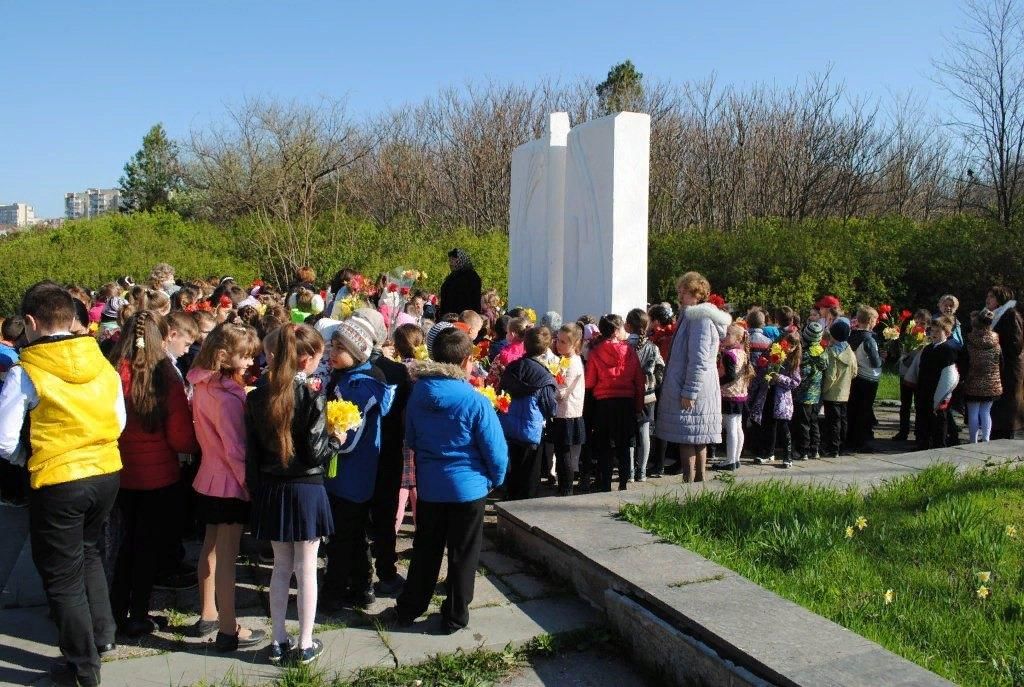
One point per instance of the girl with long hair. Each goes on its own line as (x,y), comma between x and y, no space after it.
(288,449)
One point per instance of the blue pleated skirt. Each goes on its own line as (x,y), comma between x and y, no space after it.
(291,511)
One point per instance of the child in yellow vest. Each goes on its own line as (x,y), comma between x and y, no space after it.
(72,399)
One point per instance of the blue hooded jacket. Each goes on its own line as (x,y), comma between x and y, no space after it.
(532,388)
(461,454)
(363,385)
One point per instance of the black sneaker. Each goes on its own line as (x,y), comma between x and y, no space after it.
(226,643)
(278,652)
(361,599)
(178,582)
(139,627)
(309,654)
(390,617)
(726,466)
(106,649)
(901,436)
(202,628)
(389,587)
(447,627)
(63,674)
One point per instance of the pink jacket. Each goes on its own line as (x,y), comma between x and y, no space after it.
(218,408)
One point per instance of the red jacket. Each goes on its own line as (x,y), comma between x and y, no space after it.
(662,338)
(151,458)
(613,371)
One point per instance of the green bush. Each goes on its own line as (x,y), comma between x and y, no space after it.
(769,263)
(891,260)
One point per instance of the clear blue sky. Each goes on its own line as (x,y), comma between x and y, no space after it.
(83,81)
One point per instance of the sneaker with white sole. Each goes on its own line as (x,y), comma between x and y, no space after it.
(308,655)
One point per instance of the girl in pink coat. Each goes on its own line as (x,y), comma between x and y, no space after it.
(222,500)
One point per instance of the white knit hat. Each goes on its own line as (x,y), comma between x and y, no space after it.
(356,334)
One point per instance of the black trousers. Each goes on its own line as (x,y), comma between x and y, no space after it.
(805,428)
(383,507)
(348,550)
(860,412)
(906,406)
(563,468)
(834,432)
(149,530)
(459,527)
(65,522)
(13,482)
(523,477)
(932,425)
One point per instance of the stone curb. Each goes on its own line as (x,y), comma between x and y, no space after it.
(694,621)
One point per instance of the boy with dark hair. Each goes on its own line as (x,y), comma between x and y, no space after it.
(865,384)
(936,377)
(461,456)
(532,387)
(73,401)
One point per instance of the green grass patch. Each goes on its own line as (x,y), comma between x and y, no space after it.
(889,387)
(901,564)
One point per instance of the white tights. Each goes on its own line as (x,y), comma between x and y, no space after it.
(733,425)
(300,558)
(979,418)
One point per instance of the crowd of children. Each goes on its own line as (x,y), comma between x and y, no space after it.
(148,410)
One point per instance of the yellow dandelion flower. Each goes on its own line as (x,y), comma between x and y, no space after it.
(982,592)
(983,577)
(849,532)
(889,596)
(342,416)
(861,522)
(1011,531)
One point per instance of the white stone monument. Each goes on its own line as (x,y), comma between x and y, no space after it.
(536,210)
(578,217)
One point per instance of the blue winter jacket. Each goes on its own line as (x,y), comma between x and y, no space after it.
(363,385)
(461,454)
(532,388)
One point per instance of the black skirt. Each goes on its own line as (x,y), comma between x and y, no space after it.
(614,422)
(567,431)
(732,407)
(291,511)
(215,510)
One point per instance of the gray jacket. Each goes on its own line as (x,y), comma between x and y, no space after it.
(693,373)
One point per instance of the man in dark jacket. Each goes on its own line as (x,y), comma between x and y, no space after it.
(532,388)
(462,288)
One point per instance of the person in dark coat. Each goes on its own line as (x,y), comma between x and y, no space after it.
(462,288)
(1008,409)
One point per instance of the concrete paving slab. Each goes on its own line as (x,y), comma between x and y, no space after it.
(1003,449)
(920,460)
(492,628)
(579,669)
(28,645)
(348,650)
(528,586)
(499,563)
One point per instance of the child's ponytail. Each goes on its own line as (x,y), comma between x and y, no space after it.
(795,353)
(140,354)
(748,371)
(287,347)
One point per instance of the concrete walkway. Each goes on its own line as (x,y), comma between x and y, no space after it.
(513,604)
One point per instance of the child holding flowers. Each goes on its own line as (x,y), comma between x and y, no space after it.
(772,404)
(936,378)
(288,449)
(351,481)
(568,432)
(912,339)
(222,501)
(807,396)
(735,382)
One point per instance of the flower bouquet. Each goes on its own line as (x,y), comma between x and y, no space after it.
(500,402)
(558,369)
(771,362)
(342,418)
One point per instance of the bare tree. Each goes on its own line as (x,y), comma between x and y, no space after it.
(983,72)
(273,164)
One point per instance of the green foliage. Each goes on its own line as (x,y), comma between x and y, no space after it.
(152,177)
(93,252)
(622,90)
(893,260)
(925,537)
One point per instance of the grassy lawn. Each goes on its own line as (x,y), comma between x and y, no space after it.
(905,564)
(889,387)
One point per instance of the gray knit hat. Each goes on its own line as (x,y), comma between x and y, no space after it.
(432,334)
(812,333)
(380,330)
(356,335)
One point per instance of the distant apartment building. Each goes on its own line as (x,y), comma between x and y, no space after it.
(91,202)
(17,215)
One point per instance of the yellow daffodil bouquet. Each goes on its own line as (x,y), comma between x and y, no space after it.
(342,418)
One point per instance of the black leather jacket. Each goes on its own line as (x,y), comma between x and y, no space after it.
(309,437)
